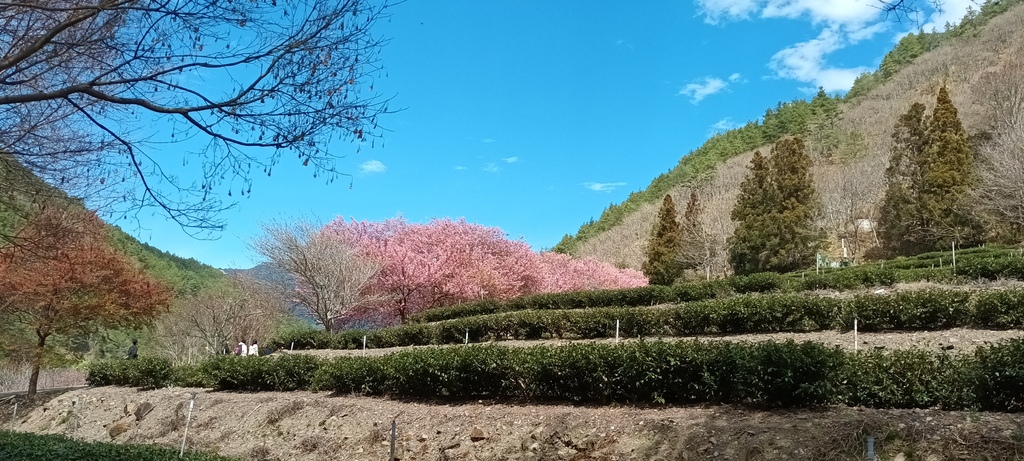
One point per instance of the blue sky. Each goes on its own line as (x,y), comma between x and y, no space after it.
(533,116)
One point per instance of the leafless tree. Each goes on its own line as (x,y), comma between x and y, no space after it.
(1000,191)
(243,309)
(332,276)
(88,88)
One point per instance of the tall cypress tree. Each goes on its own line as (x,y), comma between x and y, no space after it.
(947,177)
(662,265)
(901,227)
(750,213)
(775,213)
(929,178)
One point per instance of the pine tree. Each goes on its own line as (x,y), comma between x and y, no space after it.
(775,213)
(947,177)
(900,227)
(929,178)
(662,265)
(750,212)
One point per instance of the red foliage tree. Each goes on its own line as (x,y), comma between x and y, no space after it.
(448,261)
(71,281)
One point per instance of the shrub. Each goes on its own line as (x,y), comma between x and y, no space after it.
(761,282)
(999,309)
(1000,382)
(284,373)
(144,372)
(910,310)
(909,379)
(22,446)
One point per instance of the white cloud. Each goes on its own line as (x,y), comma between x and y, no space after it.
(699,91)
(735,77)
(491,167)
(805,62)
(850,13)
(372,166)
(460,168)
(843,23)
(488,140)
(716,10)
(603,186)
(952,11)
(512,159)
(723,125)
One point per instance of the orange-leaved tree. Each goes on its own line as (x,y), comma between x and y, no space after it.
(67,279)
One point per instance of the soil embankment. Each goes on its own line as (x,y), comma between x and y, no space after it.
(308,426)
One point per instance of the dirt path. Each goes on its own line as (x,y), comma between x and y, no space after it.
(307,426)
(955,340)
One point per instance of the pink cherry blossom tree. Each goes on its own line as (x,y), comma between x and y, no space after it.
(447,261)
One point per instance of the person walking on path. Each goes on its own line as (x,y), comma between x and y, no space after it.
(133,351)
(254,349)
(241,349)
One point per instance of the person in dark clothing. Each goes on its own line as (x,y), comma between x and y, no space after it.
(133,352)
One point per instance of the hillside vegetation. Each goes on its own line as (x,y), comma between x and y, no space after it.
(848,138)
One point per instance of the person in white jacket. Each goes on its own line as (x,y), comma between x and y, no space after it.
(242,350)
(254,349)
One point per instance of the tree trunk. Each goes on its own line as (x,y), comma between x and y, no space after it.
(37,363)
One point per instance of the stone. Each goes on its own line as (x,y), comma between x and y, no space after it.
(477,434)
(118,428)
(900,457)
(142,410)
(422,438)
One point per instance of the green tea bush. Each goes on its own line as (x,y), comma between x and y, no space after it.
(144,372)
(910,310)
(23,446)
(283,373)
(1011,267)
(1000,371)
(761,282)
(1001,309)
(909,379)
(917,310)
(762,374)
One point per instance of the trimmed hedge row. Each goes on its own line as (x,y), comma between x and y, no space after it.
(976,263)
(22,446)
(764,313)
(764,374)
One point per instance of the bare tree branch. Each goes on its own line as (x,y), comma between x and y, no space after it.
(87,89)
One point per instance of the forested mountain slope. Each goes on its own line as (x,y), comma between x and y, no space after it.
(21,192)
(848,137)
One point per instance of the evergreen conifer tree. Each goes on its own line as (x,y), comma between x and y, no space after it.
(750,212)
(662,264)
(929,178)
(947,177)
(901,228)
(775,213)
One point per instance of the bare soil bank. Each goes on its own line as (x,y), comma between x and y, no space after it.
(308,426)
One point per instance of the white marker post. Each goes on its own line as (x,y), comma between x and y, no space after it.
(188,419)
(855,342)
(364,344)
(467,336)
(616,330)
(954,256)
